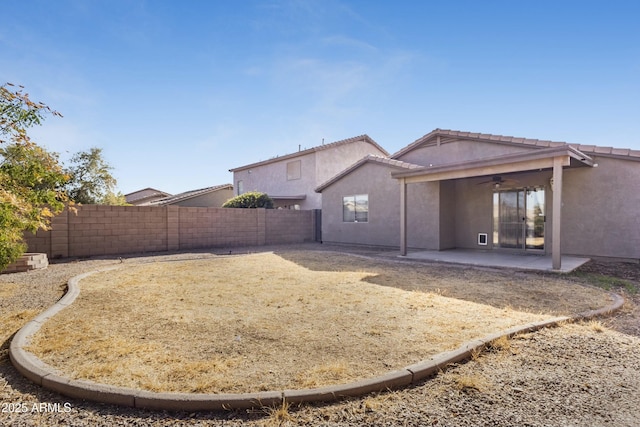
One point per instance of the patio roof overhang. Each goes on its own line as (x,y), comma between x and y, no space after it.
(554,158)
(294,197)
(517,162)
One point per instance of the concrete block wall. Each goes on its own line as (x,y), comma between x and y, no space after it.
(286,226)
(28,262)
(105,230)
(112,230)
(211,227)
(40,242)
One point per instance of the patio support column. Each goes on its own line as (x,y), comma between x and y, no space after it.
(556,254)
(403,217)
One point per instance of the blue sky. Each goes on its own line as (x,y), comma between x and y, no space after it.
(178,92)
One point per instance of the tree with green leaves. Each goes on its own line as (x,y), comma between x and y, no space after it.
(115,199)
(31,179)
(90,180)
(251,199)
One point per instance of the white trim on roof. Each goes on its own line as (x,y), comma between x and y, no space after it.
(364,138)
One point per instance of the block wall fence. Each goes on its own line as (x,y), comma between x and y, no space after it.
(112,230)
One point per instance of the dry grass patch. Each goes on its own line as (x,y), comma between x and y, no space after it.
(466,383)
(596,326)
(502,344)
(258,322)
(12,321)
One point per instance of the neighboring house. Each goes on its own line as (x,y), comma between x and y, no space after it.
(452,189)
(210,197)
(290,180)
(145,196)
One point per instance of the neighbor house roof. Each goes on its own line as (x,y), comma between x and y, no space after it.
(444,135)
(190,194)
(364,138)
(370,158)
(146,193)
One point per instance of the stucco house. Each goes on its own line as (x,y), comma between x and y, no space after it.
(290,180)
(452,189)
(209,197)
(145,196)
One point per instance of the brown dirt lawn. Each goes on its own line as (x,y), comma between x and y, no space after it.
(292,319)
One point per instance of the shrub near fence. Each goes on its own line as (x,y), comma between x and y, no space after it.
(113,230)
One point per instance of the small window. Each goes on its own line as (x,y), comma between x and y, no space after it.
(240,187)
(293,170)
(355,208)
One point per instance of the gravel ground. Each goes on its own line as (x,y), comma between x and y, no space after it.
(574,375)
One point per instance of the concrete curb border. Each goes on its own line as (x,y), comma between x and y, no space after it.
(48,377)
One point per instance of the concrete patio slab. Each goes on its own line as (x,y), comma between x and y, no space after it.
(498,259)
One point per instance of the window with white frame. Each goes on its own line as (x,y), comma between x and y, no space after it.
(240,187)
(355,208)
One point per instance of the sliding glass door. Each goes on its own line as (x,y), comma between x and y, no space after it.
(519,219)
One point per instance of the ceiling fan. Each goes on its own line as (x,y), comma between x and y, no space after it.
(498,181)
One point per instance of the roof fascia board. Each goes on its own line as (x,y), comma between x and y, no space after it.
(299,197)
(357,165)
(145,189)
(595,150)
(177,198)
(482,171)
(517,162)
(415,144)
(361,138)
(274,160)
(634,155)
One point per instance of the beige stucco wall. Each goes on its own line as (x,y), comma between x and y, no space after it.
(601,211)
(447,215)
(272,179)
(423,219)
(332,161)
(316,168)
(458,151)
(383,227)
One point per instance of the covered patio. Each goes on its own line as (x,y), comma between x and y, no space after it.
(288,202)
(498,259)
(553,159)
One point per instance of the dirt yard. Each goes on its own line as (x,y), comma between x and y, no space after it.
(292,319)
(577,374)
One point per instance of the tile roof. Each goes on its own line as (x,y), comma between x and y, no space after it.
(516,162)
(140,194)
(370,158)
(363,137)
(511,140)
(189,194)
